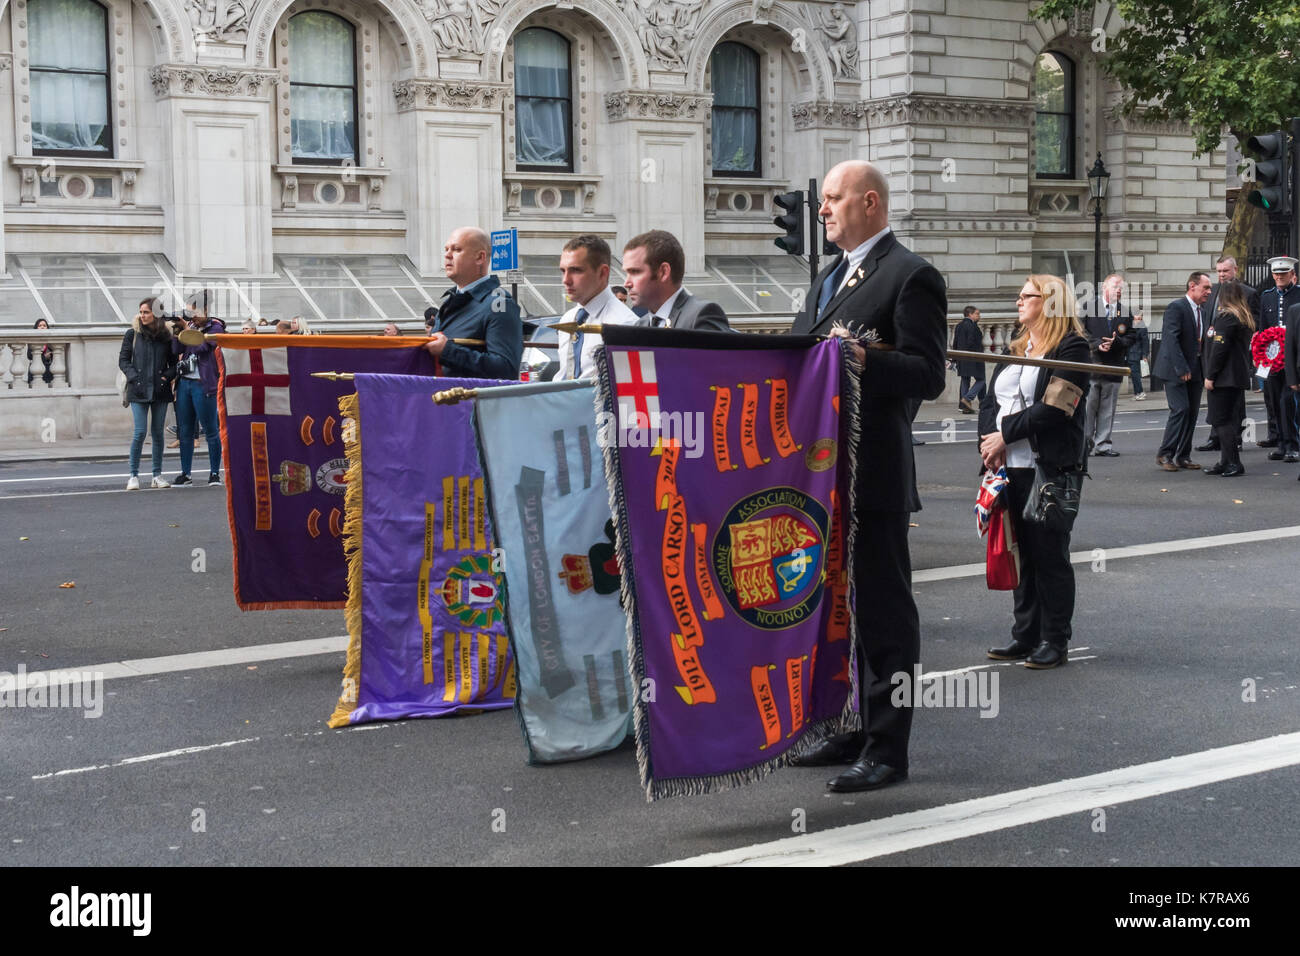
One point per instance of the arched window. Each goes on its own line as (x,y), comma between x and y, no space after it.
(69,77)
(734,69)
(322,88)
(1054,103)
(543,102)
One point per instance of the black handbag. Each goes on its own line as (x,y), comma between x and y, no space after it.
(1054,501)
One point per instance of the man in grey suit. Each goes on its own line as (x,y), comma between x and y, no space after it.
(655,263)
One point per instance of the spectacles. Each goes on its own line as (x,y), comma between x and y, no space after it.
(1032,295)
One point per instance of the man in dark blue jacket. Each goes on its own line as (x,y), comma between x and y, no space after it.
(477,308)
(1179,367)
(967,337)
(1280,402)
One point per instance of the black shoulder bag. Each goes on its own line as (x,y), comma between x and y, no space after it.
(1054,501)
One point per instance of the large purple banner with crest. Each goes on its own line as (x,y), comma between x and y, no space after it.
(285,465)
(728,458)
(426,604)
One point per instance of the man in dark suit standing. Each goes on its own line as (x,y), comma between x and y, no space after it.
(1226,271)
(894,305)
(1274,304)
(477,308)
(967,337)
(1179,366)
(1291,354)
(655,263)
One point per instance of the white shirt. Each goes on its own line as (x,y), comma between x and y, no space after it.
(604,307)
(665,310)
(1196,311)
(857,256)
(1014,391)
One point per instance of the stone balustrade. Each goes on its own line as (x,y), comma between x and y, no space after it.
(19,372)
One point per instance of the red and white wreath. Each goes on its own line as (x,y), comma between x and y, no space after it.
(1266,348)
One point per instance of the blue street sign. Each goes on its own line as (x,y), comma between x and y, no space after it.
(505,250)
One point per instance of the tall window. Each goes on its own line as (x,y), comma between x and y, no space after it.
(734,69)
(543,102)
(69,76)
(1054,102)
(322,88)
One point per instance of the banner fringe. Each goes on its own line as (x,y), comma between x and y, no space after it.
(605,402)
(851,397)
(350,407)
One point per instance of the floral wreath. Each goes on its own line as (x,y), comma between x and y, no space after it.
(1266,348)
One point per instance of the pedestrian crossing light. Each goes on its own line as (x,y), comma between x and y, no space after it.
(792,222)
(1272,171)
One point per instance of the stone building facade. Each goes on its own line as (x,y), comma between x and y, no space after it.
(222,135)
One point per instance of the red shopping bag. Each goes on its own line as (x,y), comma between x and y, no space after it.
(1002,567)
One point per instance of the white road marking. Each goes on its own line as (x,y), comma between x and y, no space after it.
(71,494)
(934,675)
(196,661)
(21,481)
(1133,551)
(145,759)
(956,821)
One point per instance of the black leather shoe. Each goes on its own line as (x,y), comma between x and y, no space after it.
(1291,458)
(832,752)
(1210,445)
(1046,656)
(1107,453)
(1267,443)
(1015,651)
(1215,469)
(1233,471)
(866,775)
(1276,456)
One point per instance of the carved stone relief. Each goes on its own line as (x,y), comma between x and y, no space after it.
(219,20)
(463,26)
(665,28)
(840,35)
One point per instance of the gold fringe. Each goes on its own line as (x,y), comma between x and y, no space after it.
(350,408)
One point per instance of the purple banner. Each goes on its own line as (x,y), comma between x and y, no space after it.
(282,436)
(728,475)
(426,610)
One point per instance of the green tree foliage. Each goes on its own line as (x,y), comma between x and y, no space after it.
(1210,63)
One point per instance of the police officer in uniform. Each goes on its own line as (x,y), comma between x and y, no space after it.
(1283,428)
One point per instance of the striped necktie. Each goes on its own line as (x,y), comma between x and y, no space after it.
(575,366)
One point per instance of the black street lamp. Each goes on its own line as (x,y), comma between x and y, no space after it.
(1098,180)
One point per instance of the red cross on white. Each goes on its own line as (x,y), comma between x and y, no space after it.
(637,389)
(257,381)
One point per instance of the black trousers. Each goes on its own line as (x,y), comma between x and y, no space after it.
(1044,601)
(889,631)
(1184,400)
(1282,409)
(1226,409)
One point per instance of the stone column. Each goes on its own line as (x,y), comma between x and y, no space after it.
(454,129)
(218,194)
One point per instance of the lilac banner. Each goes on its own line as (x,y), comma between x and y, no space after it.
(426,604)
(728,465)
(283,441)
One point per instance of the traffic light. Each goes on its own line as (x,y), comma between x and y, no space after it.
(1272,171)
(792,222)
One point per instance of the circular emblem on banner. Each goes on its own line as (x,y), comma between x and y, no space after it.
(472,592)
(822,455)
(769,556)
(333,476)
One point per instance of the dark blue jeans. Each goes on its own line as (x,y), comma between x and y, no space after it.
(191,406)
(140,413)
(974,390)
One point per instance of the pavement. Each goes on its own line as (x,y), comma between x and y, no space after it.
(1183,645)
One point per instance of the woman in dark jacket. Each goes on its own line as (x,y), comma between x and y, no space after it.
(1036,414)
(1227,375)
(147,362)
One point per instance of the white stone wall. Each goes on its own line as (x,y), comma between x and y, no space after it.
(939,96)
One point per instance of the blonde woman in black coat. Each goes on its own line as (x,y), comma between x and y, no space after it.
(1226,356)
(1033,415)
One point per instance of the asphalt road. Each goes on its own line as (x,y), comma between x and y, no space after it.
(1164,645)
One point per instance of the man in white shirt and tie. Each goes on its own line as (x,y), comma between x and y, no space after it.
(1179,366)
(584,270)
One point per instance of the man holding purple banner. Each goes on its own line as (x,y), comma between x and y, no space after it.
(894,304)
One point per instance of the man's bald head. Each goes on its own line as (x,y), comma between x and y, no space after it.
(466,255)
(855,203)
